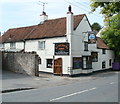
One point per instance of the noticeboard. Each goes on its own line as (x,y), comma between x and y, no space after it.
(61,49)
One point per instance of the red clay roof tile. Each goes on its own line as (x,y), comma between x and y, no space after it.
(101,44)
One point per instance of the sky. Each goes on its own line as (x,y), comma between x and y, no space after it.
(22,13)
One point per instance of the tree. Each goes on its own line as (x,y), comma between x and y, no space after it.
(107,8)
(96,26)
(111,34)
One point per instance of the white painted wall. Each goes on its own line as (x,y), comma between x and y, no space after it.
(19,45)
(78,48)
(7,46)
(103,57)
(1,45)
(78,37)
(47,53)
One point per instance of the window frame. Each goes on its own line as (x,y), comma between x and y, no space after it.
(42,47)
(12,45)
(103,64)
(85,46)
(39,61)
(80,63)
(48,62)
(93,57)
(110,62)
(103,51)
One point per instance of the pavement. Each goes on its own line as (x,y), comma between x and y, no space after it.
(12,81)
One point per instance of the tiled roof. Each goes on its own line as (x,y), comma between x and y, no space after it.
(101,44)
(50,28)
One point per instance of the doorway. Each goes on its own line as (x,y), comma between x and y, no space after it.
(58,66)
(87,62)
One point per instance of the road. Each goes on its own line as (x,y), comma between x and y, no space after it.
(103,88)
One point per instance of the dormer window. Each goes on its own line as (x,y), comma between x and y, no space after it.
(13,45)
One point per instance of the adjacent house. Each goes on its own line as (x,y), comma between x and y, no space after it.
(65,45)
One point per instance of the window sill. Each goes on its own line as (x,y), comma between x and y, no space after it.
(94,61)
(87,68)
(41,49)
(76,68)
(86,50)
(12,47)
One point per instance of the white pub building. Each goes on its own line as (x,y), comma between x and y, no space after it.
(65,45)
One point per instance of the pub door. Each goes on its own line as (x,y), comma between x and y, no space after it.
(58,66)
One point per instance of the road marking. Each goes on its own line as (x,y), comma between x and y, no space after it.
(112,83)
(73,94)
(116,72)
(37,79)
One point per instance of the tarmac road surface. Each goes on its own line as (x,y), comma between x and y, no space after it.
(100,88)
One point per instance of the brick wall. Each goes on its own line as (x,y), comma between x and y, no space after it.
(21,62)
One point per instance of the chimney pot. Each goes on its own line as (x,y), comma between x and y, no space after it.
(44,13)
(69,8)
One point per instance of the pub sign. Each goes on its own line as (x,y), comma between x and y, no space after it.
(61,48)
(91,37)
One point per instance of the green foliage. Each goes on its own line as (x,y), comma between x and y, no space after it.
(111,34)
(96,26)
(107,8)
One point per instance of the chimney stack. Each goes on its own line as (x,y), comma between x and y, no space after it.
(69,22)
(43,17)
